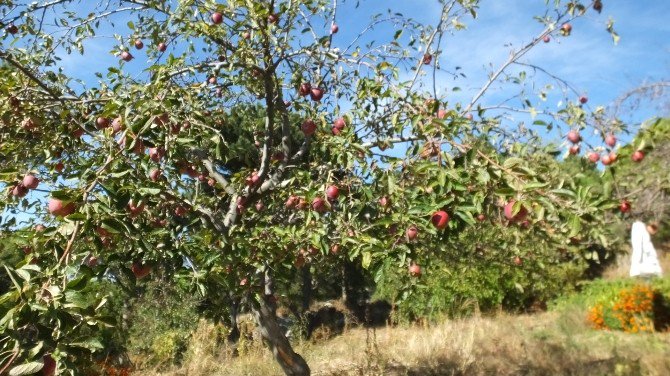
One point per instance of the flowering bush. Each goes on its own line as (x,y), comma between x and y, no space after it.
(634,310)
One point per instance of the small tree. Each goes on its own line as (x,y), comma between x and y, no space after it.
(252,143)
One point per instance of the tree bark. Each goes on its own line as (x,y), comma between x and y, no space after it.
(291,363)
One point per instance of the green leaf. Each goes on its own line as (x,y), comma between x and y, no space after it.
(26,369)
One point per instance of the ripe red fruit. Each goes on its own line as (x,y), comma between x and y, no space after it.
(566,28)
(517,261)
(441,114)
(316,94)
(19,191)
(49,365)
(246,35)
(117,125)
(613,157)
(273,18)
(384,202)
(277,157)
(102,122)
(574,137)
(102,232)
(304,89)
(624,206)
(332,192)
(308,127)
(481,217)
(126,56)
(212,80)
(339,123)
(135,209)
(12,29)
(335,249)
(155,174)
(260,206)
(583,99)
(156,154)
(610,140)
(162,47)
(594,157)
(598,6)
(319,205)
(77,133)
(59,208)
(59,166)
(253,179)
(40,228)
(180,211)
(606,160)
(292,201)
(440,219)
(217,18)
(427,59)
(334,28)
(139,44)
(469,116)
(140,270)
(574,149)
(412,232)
(546,39)
(415,270)
(30,181)
(637,156)
(509,212)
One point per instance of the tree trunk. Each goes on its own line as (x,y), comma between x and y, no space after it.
(291,363)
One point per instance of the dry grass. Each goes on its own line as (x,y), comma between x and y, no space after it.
(548,343)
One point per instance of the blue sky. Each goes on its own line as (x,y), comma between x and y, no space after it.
(587,59)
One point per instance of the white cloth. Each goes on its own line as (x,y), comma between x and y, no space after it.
(643,260)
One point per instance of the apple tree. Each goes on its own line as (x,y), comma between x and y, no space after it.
(229,144)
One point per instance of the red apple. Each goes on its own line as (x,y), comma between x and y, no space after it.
(12,29)
(384,202)
(140,270)
(613,157)
(253,179)
(135,209)
(339,123)
(19,191)
(162,47)
(517,261)
(638,156)
(126,56)
(304,89)
(574,137)
(610,140)
(260,206)
(509,212)
(624,206)
(102,122)
(59,166)
(412,232)
(212,80)
(246,35)
(273,18)
(469,116)
(308,127)
(598,6)
(77,133)
(316,94)
(606,160)
(102,232)
(335,249)
(117,125)
(180,211)
(415,270)
(481,217)
(155,174)
(59,208)
(427,59)
(574,149)
(49,365)
(139,44)
(583,99)
(156,154)
(441,114)
(566,28)
(292,202)
(40,228)
(217,18)
(332,192)
(334,28)
(30,181)
(594,157)
(546,39)
(440,219)
(319,205)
